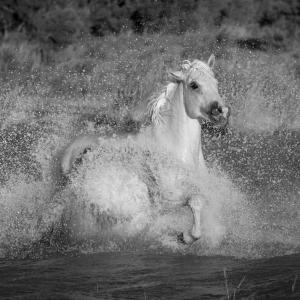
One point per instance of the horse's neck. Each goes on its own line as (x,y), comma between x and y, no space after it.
(180,134)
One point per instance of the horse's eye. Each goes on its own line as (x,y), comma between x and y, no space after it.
(194,85)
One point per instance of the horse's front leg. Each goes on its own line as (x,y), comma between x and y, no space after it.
(196,206)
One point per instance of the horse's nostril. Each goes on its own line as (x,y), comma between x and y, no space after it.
(216,109)
(215,112)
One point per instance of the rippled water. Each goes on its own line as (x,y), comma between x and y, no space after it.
(150,276)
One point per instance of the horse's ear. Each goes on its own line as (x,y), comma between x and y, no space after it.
(211,61)
(176,76)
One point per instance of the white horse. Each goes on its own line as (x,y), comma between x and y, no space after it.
(176,114)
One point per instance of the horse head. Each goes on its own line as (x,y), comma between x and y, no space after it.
(200,88)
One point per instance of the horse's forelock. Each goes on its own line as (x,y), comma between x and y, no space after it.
(200,65)
(186,65)
(201,69)
(196,65)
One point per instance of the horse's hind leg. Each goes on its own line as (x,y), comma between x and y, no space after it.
(189,237)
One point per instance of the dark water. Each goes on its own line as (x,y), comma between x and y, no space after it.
(150,276)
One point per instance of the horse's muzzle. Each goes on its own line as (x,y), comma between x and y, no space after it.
(219,115)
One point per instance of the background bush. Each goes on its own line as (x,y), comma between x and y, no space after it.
(60,22)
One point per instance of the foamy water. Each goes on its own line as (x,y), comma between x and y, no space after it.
(128,197)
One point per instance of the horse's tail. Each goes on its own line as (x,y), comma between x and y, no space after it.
(75,150)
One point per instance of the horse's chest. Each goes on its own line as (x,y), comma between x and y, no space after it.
(174,187)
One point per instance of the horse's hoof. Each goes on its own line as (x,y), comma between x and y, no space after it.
(180,238)
(185,238)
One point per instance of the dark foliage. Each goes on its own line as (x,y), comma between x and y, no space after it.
(59,22)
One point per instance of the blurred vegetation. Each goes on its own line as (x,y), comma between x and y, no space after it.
(60,22)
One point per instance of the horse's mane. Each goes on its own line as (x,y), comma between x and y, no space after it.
(160,100)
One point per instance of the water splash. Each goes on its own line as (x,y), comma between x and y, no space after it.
(126,197)
(123,197)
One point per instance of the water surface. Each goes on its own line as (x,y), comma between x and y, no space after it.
(149,276)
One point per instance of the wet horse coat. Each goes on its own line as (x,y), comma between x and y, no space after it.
(176,114)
